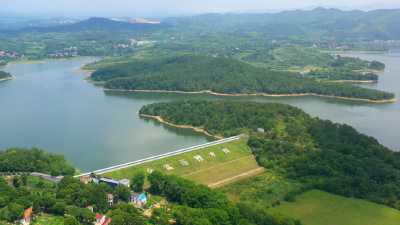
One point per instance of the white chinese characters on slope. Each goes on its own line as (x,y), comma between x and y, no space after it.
(226,150)
(198,157)
(212,154)
(183,162)
(150,170)
(168,167)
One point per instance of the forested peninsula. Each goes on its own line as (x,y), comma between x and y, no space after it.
(217,75)
(5,76)
(318,153)
(34,160)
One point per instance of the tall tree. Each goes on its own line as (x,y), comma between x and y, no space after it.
(138,181)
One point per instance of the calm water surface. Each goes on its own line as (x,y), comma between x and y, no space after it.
(50,106)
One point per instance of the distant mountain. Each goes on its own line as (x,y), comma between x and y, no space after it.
(332,24)
(135,20)
(95,23)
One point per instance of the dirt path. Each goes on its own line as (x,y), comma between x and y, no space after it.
(216,166)
(234,177)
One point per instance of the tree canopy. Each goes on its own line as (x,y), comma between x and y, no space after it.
(193,73)
(35,160)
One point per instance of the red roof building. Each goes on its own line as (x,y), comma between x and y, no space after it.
(100,218)
(85,179)
(106,222)
(26,216)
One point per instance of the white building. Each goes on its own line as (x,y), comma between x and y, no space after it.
(138,199)
(110,198)
(99,218)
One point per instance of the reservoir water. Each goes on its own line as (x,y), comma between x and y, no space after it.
(50,106)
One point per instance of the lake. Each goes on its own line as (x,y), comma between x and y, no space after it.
(50,106)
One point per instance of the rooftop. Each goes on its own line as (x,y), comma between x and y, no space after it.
(84,179)
(27,213)
(106,222)
(142,196)
(99,216)
(133,194)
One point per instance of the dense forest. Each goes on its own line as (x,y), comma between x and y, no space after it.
(34,160)
(193,73)
(4,75)
(188,203)
(319,153)
(342,74)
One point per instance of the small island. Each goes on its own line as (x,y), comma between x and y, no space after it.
(5,76)
(223,76)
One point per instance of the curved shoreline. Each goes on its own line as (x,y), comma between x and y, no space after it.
(355,81)
(90,81)
(8,78)
(190,127)
(267,95)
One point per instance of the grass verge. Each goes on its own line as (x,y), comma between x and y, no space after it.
(319,207)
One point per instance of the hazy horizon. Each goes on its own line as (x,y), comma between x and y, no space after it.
(162,9)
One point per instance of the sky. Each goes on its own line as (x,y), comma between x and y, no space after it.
(153,8)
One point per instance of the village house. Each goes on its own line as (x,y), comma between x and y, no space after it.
(110,198)
(138,199)
(99,218)
(27,215)
(85,180)
(90,208)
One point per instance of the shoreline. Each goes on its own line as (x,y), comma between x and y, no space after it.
(356,81)
(42,60)
(190,127)
(267,95)
(8,78)
(88,80)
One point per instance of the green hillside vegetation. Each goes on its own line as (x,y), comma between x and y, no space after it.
(192,73)
(296,57)
(188,204)
(227,35)
(33,160)
(4,75)
(341,74)
(318,153)
(318,207)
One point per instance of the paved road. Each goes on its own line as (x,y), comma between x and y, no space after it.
(137,162)
(47,177)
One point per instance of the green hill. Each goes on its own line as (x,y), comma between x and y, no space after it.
(193,73)
(318,153)
(319,23)
(4,75)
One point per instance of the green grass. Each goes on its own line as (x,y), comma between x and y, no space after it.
(225,171)
(238,149)
(33,181)
(260,190)
(319,207)
(49,220)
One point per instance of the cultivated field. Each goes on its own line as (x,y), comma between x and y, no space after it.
(319,208)
(207,170)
